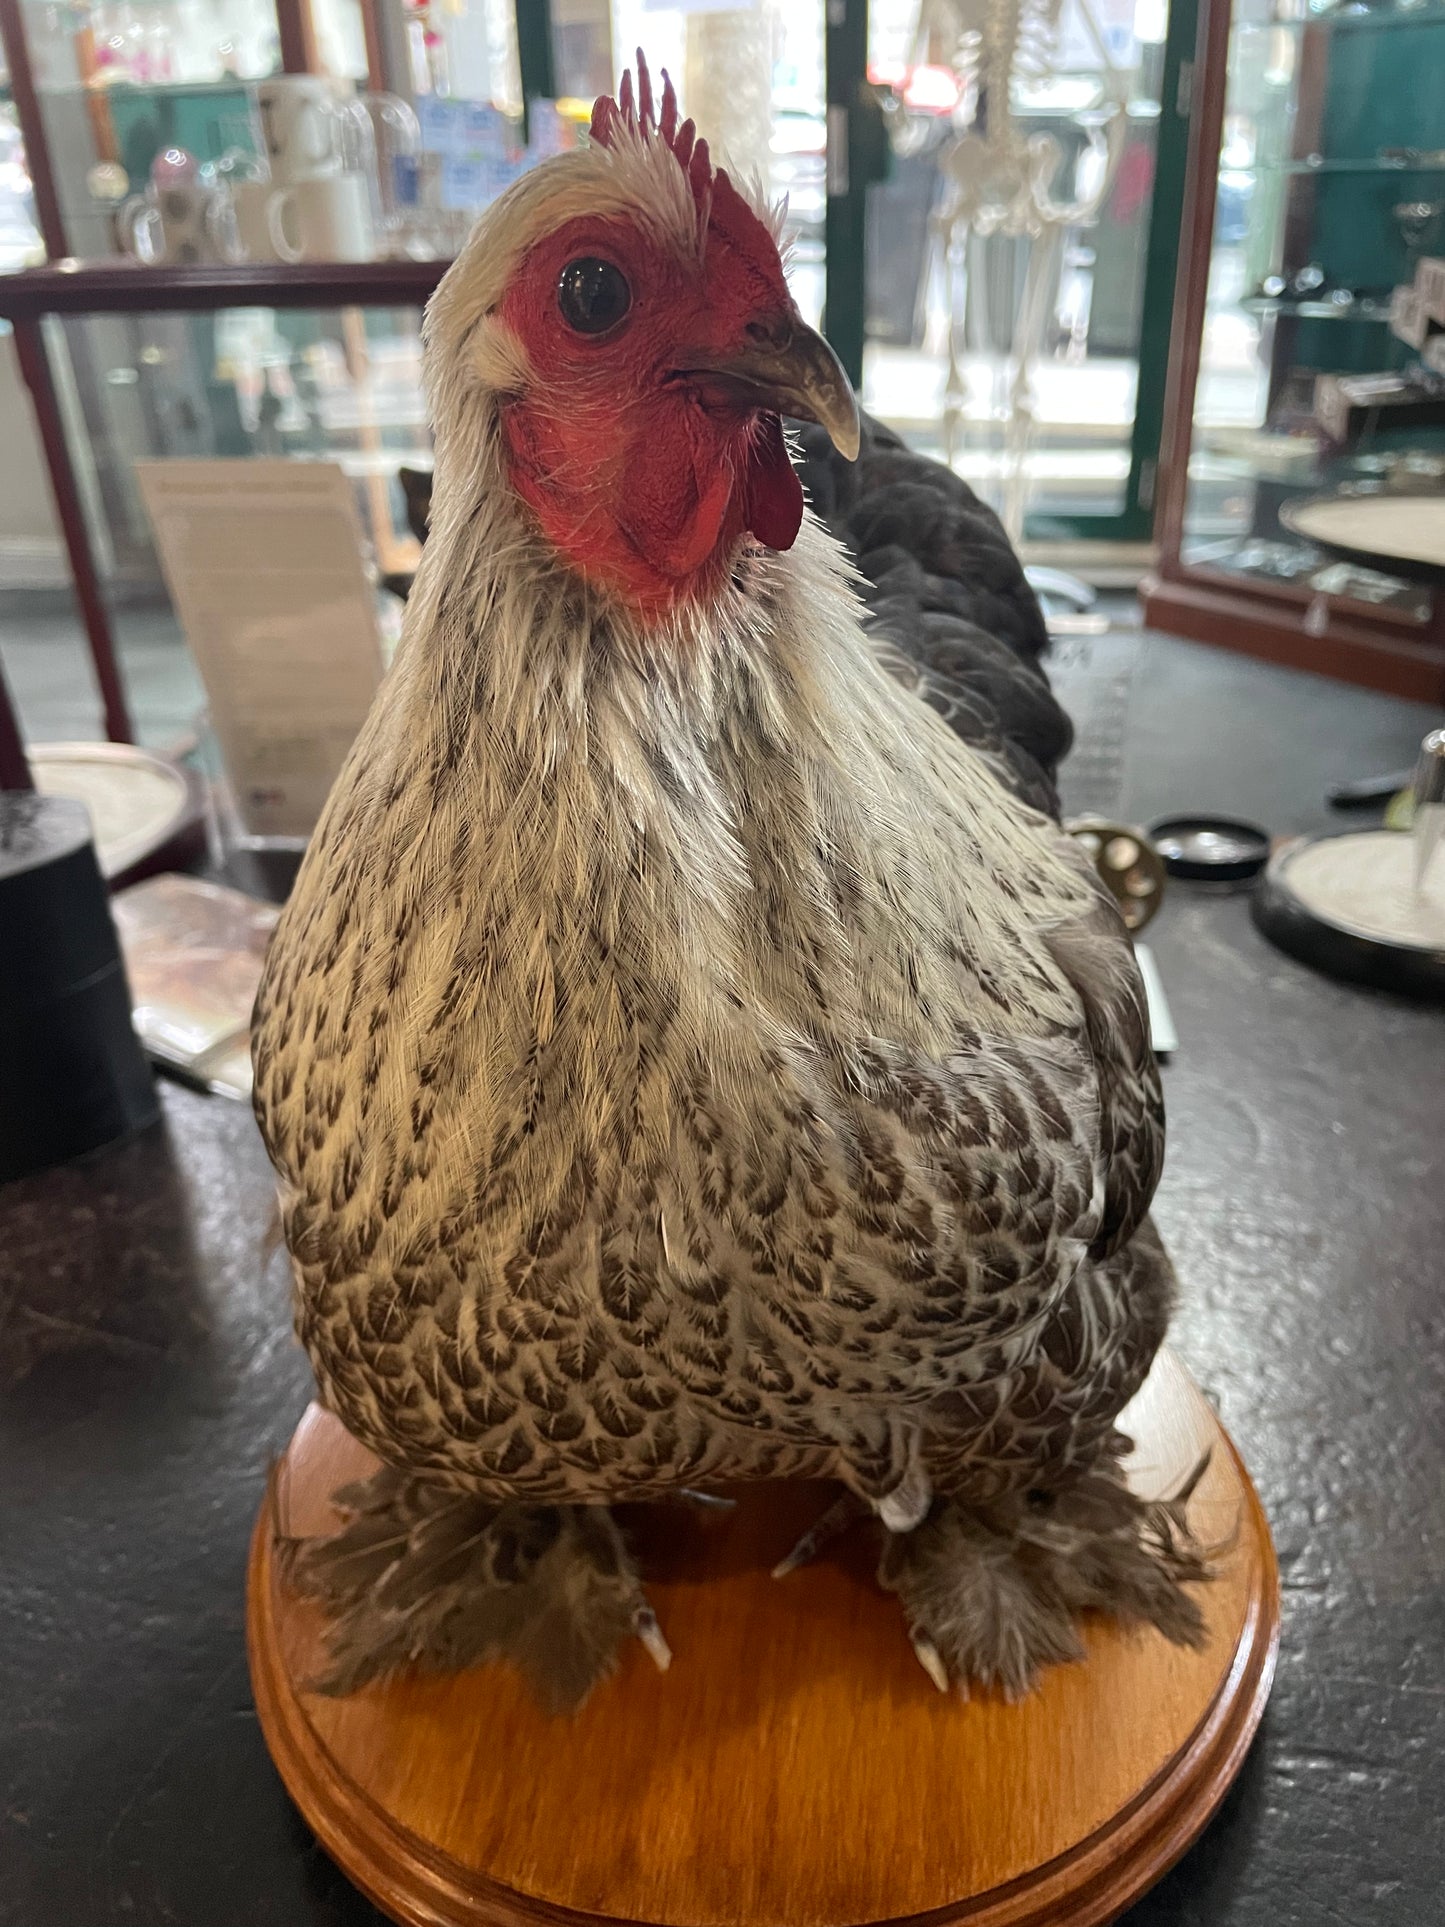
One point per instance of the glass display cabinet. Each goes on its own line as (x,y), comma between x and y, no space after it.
(1304,357)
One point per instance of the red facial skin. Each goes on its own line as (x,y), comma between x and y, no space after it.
(646,480)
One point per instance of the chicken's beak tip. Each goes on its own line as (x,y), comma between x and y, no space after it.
(824,393)
(795,373)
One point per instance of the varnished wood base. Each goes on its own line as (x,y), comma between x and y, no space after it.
(795,1768)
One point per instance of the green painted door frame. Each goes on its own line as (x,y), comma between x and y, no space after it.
(845,64)
(1135,521)
(853,160)
(535,61)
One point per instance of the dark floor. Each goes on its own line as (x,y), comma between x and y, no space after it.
(150,1374)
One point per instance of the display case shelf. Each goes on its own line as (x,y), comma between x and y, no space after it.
(125,287)
(1297,570)
(1344,20)
(1318,165)
(1365,309)
(137,90)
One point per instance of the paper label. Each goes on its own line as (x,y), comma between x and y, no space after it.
(263,560)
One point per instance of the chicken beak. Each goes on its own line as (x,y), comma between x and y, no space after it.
(789,368)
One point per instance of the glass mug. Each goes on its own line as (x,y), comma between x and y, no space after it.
(174,224)
(239,224)
(330,219)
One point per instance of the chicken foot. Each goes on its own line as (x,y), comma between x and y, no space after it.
(422,1575)
(994,1593)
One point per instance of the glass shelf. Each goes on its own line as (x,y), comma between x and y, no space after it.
(1341,20)
(146,90)
(121,286)
(1288,462)
(1284,562)
(1364,310)
(1431,163)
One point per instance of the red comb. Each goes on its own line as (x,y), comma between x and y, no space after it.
(690,153)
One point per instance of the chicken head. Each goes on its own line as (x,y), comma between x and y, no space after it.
(643,352)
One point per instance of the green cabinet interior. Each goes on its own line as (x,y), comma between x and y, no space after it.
(206,119)
(1384,89)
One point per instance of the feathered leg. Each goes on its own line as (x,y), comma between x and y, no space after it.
(994,1593)
(424,1576)
(995,1579)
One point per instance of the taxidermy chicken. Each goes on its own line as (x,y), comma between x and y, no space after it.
(685,1059)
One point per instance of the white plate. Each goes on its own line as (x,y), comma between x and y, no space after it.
(137,802)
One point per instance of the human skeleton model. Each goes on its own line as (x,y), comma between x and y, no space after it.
(1000,180)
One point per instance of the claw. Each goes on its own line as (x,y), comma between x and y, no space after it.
(839,1516)
(644,1624)
(706,1501)
(931,1660)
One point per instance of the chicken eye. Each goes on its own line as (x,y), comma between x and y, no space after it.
(592,295)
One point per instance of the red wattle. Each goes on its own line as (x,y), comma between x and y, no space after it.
(772,493)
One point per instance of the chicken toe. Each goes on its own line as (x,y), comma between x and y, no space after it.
(845,1510)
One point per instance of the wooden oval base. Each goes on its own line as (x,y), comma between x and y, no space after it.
(795,1768)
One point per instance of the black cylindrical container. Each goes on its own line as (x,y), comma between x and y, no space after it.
(72,1072)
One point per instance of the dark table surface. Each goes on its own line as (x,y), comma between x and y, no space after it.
(150,1374)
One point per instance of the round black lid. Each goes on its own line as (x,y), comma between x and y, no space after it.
(1210,849)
